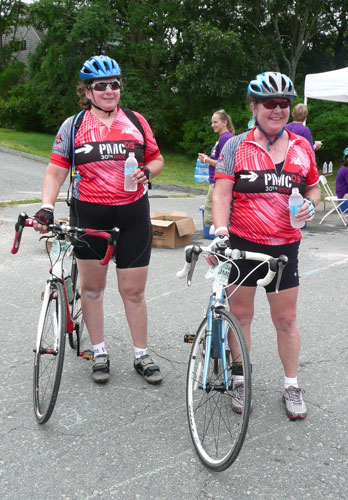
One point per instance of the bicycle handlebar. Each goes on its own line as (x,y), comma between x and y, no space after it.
(275,265)
(64,229)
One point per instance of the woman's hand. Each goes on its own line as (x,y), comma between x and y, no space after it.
(307,211)
(142,175)
(203,157)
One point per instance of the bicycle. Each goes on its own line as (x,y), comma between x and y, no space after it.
(61,312)
(219,353)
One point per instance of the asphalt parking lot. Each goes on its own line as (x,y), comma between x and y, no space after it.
(128,440)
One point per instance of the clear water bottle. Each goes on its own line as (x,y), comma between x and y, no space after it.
(325,168)
(68,286)
(295,203)
(76,181)
(330,168)
(130,166)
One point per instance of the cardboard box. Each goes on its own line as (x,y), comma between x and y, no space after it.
(173,230)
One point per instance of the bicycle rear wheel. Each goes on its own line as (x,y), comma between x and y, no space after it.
(217,432)
(49,357)
(75,307)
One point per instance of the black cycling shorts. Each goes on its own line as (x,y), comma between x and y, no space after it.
(133,248)
(290,277)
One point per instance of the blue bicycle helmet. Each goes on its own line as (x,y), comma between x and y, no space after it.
(271,84)
(99,67)
(345,152)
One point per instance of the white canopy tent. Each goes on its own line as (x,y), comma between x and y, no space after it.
(328,86)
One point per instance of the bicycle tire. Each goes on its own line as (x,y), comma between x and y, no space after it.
(75,307)
(49,358)
(217,432)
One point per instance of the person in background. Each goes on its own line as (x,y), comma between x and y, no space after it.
(299,115)
(342,181)
(99,201)
(222,125)
(255,174)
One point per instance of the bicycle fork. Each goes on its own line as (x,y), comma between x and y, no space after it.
(53,351)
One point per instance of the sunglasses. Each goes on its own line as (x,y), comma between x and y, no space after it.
(102,86)
(272,103)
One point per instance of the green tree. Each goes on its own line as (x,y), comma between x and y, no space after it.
(11,16)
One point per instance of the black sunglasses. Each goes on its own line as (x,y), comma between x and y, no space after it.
(102,86)
(272,103)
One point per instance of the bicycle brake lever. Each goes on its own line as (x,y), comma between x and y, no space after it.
(192,258)
(282,262)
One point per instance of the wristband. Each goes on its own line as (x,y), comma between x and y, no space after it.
(221,228)
(47,206)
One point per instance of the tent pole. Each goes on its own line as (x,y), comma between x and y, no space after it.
(305,103)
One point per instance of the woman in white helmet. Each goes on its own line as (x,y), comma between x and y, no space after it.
(255,174)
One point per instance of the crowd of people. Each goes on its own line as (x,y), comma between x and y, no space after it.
(246,215)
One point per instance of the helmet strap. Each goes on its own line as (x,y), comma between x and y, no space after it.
(101,109)
(270,142)
(104,110)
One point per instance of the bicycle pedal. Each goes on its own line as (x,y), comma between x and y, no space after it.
(189,339)
(88,354)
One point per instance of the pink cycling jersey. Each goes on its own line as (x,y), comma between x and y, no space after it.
(100,154)
(260,205)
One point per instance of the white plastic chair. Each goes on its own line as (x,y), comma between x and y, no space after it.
(336,202)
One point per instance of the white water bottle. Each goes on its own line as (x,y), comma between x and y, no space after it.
(295,203)
(130,166)
(330,168)
(325,168)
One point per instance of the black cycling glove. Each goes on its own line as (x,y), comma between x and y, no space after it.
(44,216)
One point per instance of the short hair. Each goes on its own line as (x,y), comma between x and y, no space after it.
(300,112)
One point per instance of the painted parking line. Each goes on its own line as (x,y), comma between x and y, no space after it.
(327,256)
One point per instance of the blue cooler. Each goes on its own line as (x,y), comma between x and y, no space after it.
(206,228)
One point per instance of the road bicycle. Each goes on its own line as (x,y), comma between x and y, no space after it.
(219,353)
(61,312)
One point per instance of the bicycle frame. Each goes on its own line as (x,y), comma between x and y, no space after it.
(215,339)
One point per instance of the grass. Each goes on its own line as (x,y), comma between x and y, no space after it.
(28,142)
(178,169)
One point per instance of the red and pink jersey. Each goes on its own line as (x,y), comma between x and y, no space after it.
(260,205)
(100,155)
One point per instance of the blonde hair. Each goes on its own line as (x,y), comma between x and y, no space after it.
(300,112)
(225,117)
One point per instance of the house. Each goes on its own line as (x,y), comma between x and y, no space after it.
(27,39)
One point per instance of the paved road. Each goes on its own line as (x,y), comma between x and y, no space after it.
(129,440)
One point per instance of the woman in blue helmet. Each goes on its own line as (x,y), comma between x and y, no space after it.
(103,141)
(255,174)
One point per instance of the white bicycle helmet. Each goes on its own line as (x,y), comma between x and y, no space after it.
(271,84)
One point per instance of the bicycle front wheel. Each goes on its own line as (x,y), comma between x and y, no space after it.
(49,355)
(75,307)
(217,432)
